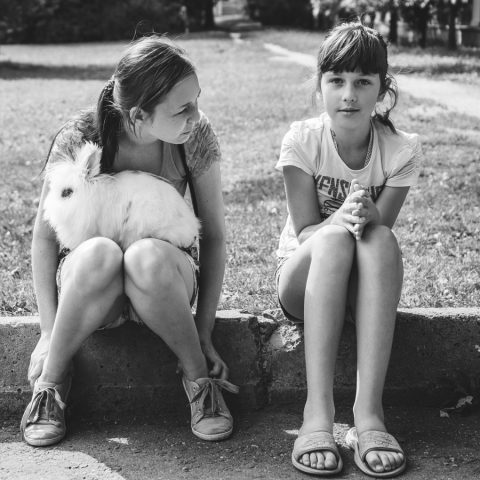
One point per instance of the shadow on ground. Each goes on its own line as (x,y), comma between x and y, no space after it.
(16,70)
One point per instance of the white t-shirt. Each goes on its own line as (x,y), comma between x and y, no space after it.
(308,145)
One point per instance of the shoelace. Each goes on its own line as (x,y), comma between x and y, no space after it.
(211,388)
(43,404)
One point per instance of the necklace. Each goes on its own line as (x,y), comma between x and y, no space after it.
(369,149)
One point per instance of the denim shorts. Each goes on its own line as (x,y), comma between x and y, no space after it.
(288,316)
(129,313)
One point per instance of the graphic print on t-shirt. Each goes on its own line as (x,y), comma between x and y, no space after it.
(332,192)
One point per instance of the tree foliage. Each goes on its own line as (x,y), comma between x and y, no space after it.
(294,13)
(51,21)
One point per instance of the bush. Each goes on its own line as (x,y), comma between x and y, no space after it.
(294,13)
(55,21)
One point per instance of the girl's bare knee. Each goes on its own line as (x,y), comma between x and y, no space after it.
(96,263)
(383,238)
(150,264)
(330,239)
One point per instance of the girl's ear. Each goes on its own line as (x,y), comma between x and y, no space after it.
(137,115)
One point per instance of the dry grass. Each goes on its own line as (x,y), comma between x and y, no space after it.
(251,101)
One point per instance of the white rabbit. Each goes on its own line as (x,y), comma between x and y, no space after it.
(83,203)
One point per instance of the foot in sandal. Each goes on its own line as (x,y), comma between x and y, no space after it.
(376,453)
(317,453)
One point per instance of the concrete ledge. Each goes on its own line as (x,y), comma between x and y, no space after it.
(430,345)
(130,370)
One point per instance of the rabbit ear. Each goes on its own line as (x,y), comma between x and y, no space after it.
(88,158)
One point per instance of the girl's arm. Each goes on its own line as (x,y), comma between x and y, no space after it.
(44,266)
(208,192)
(303,205)
(389,203)
(384,211)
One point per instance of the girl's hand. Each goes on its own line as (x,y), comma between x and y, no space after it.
(219,368)
(349,215)
(365,209)
(38,358)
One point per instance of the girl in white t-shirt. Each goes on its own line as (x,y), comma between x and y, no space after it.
(346,174)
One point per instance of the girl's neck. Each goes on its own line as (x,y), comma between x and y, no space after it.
(351,139)
(137,155)
(353,147)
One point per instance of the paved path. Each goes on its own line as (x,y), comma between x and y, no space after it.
(260,448)
(461,98)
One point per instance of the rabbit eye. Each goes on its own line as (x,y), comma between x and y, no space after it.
(66,192)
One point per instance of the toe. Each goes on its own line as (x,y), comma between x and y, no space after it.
(305,459)
(330,461)
(374,461)
(386,459)
(316,460)
(321,465)
(397,459)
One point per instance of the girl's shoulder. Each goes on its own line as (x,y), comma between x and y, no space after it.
(401,156)
(392,144)
(202,148)
(304,131)
(301,145)
(72,135)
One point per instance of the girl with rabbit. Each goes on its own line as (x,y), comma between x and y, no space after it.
(147,119)
(347,173)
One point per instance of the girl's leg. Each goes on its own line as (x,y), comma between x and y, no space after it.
(379,284)
(313,285)
(91,296)
(159,282)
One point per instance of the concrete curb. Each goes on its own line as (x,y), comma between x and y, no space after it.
(129,370)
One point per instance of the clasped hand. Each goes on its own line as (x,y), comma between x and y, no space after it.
(357,211)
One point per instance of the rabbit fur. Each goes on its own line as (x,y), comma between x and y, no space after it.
(83,203)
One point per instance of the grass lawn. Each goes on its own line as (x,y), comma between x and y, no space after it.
(250,101)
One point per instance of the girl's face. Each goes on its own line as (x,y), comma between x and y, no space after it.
(172,120)
(350,97)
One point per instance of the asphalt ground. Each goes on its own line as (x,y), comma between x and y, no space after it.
(438,448)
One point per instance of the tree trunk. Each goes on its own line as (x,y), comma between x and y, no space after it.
(452,28)
(209,19)
(393,33)
(423,24)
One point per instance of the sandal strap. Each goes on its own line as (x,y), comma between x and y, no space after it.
(371,440)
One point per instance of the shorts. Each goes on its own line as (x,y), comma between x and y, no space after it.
(288,316)
(129,313)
